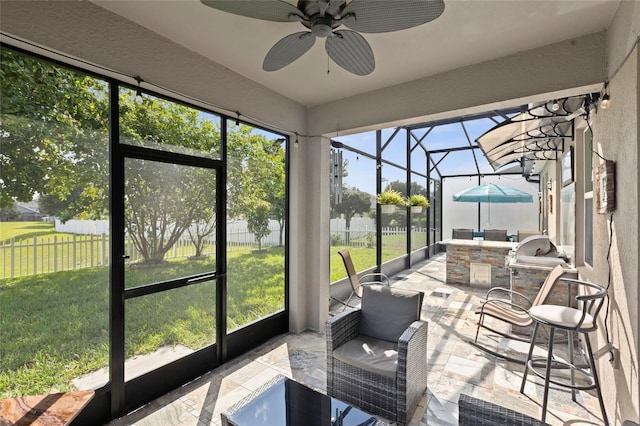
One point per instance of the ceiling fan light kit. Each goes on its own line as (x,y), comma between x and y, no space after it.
(347,48)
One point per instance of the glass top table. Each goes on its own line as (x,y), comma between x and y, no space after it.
(285,402)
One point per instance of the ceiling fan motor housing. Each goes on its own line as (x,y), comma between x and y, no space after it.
(321,27)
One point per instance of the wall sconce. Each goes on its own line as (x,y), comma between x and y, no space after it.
(549,184)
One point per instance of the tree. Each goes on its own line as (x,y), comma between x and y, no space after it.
(53,134)
(155,217)
(165,200)
(256,171)
(354,202)
(258,220)
(54,139)
(204,218)
(10,213)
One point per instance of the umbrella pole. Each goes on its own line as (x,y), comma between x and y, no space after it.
(489,215)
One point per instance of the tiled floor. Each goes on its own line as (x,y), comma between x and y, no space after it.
(455,367)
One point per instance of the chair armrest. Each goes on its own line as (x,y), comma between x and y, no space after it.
(383,279)
(412,344)
(504,303)
(509,292)
(412,365)
(599,290)
(342,328)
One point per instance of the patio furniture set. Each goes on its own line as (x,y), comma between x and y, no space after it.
(376,359)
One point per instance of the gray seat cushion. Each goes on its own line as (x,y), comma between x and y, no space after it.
(373,355)
(388,312)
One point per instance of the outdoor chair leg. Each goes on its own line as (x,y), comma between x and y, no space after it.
(526,363)
(545,397)
(480,322)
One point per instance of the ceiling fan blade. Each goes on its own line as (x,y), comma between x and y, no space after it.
(391,15)
(351,51)
(288,50)
(267,10)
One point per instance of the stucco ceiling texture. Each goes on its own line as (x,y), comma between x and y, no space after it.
(468,32)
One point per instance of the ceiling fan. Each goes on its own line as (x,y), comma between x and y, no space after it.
(347,48)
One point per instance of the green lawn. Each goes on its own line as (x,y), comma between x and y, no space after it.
(54,327)
(363,258)
(24,230)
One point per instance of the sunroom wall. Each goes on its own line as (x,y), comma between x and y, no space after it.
(615,137)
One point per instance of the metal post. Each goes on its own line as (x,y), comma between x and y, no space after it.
(378,190)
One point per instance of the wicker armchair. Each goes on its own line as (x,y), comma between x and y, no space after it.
(385,375)
(476,412)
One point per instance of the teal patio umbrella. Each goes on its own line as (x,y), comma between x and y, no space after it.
(491,193)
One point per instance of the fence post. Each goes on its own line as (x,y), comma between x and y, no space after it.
(74,252)
(55,253)
(91,248)
(13,257)
(104,250)
(35,255)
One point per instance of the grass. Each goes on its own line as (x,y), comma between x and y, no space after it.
(54,327)
(55,250)
(363,258)
(24,230)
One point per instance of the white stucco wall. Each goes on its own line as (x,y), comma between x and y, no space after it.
(615,137)
(570,67)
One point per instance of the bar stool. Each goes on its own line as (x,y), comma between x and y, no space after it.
(582,319)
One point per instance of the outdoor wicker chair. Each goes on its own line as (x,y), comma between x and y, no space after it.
(476,412)
(377,355)
(357,282)
(512,312)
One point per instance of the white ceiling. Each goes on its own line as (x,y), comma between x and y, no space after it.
(468,32)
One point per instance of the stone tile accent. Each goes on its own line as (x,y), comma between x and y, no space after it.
(460,257)
(528,281)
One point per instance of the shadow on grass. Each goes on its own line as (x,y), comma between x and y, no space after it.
(55,327)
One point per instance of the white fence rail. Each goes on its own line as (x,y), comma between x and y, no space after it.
(40,255)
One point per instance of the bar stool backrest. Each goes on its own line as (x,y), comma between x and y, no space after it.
(548,285)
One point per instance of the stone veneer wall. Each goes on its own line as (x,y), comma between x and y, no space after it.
(460,257)
(528,280)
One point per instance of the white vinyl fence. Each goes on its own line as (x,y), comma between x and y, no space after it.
(362,234)
(39,255)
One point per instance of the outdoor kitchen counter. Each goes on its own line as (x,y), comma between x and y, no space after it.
(462,253)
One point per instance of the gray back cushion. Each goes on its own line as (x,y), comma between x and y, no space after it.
(387,312)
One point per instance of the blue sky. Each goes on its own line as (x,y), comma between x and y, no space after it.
(362,170)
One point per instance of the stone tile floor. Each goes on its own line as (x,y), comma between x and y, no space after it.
(455,367)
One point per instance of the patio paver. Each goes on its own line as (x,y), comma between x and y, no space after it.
(455,367)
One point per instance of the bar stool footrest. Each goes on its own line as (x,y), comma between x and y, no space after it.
(538,366)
